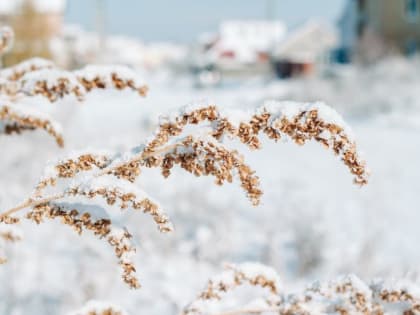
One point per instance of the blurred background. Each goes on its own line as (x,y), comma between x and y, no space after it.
(361,57)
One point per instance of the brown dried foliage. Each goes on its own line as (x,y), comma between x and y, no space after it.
(101,228)
(16,122)
(305,126)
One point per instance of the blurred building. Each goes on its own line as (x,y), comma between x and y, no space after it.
(371,29)
(35,22)
(305,49)
(239,48)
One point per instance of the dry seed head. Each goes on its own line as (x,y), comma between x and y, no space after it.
(41,77)
(299,122)
(70,167)
(8,234)
(52,84)
(119,239)
(205,156)
(105,77)
(6,39)
(123,195)
(17,120)
(16,72)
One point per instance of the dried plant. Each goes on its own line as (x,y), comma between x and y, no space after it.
(6,39)
(40,77)
(99,308)
(234,277)
(16,119)
(346,295)
(8,234)
(73,189)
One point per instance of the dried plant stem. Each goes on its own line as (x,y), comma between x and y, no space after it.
(33,203)
(255,311)
(30,203)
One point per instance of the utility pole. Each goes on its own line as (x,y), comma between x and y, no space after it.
(101,25)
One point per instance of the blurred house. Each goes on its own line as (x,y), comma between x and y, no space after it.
(239,48)
(371,29)
(35,22)
(304,50)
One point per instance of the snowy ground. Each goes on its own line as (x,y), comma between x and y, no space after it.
(312,224)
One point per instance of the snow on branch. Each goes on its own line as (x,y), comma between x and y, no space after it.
(118,77)
(16,119)
(300,122)
(39,77)
(345,295)
(72,187)
(16,72)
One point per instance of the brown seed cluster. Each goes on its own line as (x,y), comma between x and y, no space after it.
(71,167)
(126,200)
(38,76)
(117,81)
(118,239)
(15,121)
(204,157)
(6,39)
(18,71)
(53,91)
(304,126)
(8,234)
(345,296)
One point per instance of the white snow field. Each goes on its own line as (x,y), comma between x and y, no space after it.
(313,223)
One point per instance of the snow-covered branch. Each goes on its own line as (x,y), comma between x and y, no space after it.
(16,119)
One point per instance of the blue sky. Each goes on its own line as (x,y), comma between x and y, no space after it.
(184,20)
